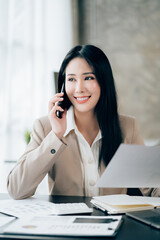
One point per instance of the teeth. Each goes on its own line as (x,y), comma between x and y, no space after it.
(82,99)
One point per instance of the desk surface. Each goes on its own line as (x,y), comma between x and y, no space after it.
(130,229)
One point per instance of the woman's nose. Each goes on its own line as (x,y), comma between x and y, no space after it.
(79,86)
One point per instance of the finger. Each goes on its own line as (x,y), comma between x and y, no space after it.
(53,101)
(58,95)
(60,100)
(65,113)
(58,108)
(61,114)
(55,109)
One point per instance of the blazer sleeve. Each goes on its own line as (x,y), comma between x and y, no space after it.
(39,157)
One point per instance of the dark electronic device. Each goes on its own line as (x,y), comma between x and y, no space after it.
(61,104)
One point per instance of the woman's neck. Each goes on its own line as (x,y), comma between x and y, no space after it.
(88,125)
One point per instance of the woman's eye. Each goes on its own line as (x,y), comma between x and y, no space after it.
(71,79)
(89,78)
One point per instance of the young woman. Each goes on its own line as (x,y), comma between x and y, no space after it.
(75,149)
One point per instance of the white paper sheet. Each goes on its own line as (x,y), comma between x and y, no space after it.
(4,220)
(133,166)
(118,199)
(26,207)
(33,207)
(67,226)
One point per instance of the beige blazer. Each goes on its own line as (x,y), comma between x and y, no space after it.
(61,160)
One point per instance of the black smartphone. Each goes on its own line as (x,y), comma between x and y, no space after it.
(61,103)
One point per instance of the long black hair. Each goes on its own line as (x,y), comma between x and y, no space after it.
(106,108)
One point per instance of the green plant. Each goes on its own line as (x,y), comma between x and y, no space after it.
(27,136)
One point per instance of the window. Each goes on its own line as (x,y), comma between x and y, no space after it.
(35,35)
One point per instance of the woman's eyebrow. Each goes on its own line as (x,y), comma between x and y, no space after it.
(71,74)
(86,73)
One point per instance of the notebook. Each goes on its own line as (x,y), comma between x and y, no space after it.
(122,203)
(149,217)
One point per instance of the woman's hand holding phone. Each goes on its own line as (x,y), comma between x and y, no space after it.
(58,125)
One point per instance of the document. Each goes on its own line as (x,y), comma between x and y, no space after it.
(122,203)
(132,166)
(33,207)
(66,226)
(5,219)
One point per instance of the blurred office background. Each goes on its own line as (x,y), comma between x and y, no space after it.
(35,35)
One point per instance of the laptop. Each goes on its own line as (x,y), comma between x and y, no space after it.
(150,217)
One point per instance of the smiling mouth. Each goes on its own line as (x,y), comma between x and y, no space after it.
(82,99)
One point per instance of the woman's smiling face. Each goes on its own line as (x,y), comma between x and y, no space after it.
(82,87)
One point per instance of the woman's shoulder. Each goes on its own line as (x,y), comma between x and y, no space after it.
(126,120)
(127,124)
(130,129)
